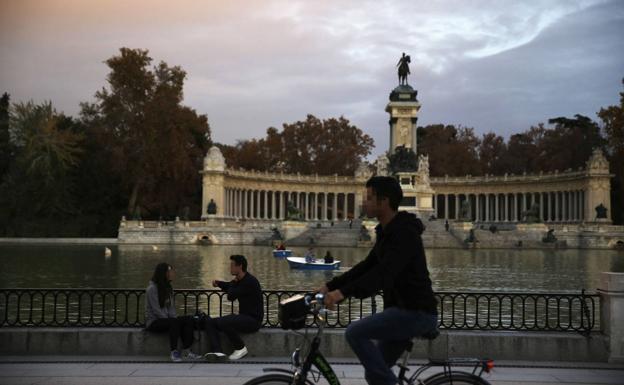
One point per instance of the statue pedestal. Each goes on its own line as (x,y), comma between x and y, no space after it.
(540,227)
(292,229)
(464,226)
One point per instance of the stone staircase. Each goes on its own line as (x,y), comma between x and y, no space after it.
(340,234)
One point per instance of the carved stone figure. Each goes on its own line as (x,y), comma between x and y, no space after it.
(364,235)
(403,68)
(214,160)
(276,235)
(382,165)
(292,213)
(550,237)
(363,171)
(532,215)
(212,207)
(464,211)
(471,237)
(601,211)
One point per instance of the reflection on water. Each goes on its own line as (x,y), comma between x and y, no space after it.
(197,266)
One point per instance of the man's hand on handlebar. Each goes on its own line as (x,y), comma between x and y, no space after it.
(323,289)
(332,298)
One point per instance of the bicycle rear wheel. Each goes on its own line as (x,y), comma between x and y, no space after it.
(273,379)
(455,378)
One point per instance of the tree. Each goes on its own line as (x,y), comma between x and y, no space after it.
(491,150)
(39,183)
(326,147)
(613,120)
(6,150)
(155,144)
(452,151)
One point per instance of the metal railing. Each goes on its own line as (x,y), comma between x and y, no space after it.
(563,312)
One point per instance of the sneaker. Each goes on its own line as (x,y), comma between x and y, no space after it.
(215,357)
(176,356)
(238,354)
(189,355)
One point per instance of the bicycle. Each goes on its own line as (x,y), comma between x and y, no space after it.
(294,318)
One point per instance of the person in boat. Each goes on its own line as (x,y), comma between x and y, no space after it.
(246,289)
(309,256)
(281,247)
(328,257)
(397,266)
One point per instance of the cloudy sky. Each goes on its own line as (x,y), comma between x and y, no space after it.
(493,65)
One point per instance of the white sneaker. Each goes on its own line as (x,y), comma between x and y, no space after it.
(215,357)
(238,354)
(189,355)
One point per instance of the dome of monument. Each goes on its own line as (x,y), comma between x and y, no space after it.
(403,93)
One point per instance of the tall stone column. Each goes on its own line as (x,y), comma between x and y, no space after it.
(446,206)
(324,216)
(335,208)
(487,207)
(307,206)
(497,208)
(457,204)
(515,207)
(403,109)
(357,202)
(266,205)
(213,177)
(282,204)
(557,217)
(477,208)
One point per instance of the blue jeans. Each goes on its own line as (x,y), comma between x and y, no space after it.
(392,329)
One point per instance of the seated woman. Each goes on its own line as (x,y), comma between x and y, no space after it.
(160,313)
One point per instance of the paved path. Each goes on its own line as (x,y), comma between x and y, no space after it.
(153,371)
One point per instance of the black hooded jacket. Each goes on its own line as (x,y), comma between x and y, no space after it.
(396,265)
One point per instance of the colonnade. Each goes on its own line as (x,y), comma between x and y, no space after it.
(554,206)
(267,204)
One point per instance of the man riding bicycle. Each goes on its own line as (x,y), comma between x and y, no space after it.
(397,266)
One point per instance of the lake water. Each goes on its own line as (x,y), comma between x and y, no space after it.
(451,270)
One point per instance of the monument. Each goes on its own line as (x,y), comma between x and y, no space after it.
(412,172)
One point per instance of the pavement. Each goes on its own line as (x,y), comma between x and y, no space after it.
(109,370)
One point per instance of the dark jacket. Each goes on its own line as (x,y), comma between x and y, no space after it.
(396,265)
(248,293)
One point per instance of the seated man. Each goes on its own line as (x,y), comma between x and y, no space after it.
(246,289)
(328,258)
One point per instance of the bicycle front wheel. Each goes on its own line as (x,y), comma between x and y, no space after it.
(455,378)
(273,379)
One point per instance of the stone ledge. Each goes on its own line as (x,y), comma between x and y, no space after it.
(497,345)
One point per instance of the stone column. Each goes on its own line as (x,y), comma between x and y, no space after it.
(487,207)
(273,205)
(456,206)
(335,208)
(239,203)
(564,204)
(542,207)
(307,206)
(514,203)
(446,206)
(324,216)
(477,208)
(556,206)
(357,202)
(496,207)
(282,203)
(612,314)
